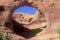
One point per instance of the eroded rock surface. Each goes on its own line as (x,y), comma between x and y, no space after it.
(30,20)
(31,24)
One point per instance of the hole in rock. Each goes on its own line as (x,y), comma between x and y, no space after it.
(2,8)
(30,19)
(26,9)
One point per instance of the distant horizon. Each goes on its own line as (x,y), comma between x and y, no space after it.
(26,9)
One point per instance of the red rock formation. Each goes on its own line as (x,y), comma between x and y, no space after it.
(49,9)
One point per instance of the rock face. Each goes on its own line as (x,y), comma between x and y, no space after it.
(30,20)
(41,26)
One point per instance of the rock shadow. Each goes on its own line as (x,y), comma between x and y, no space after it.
(19,29)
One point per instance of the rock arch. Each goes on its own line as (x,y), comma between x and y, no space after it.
(10,6)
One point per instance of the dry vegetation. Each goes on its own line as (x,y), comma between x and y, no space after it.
(4,36)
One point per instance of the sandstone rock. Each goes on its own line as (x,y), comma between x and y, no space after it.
(30,20)
(51,17)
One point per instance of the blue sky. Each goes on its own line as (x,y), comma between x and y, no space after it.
(26,9)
